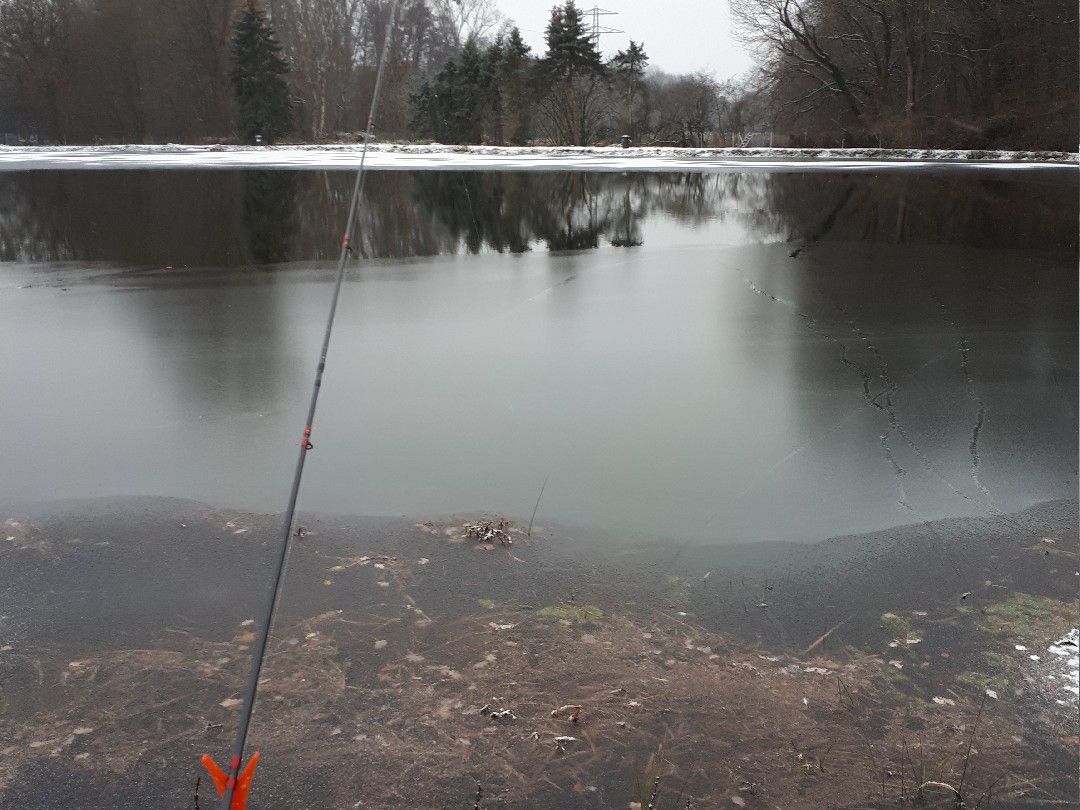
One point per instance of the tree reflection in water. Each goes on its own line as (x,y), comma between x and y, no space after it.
(226,218)
(269,219)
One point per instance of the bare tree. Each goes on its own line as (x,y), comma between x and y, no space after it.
(204,27)
(742,110)
(320,40)
(460,20)
(918,71)
(30,31)
(576,110)
(798,40)
(687,110)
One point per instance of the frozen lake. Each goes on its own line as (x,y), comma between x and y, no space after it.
(721,357)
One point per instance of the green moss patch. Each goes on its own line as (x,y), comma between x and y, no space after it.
(1021,613)
(578,614)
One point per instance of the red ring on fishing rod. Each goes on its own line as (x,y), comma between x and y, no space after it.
(306,441)
(346,244)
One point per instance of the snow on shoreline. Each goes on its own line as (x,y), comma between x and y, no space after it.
(534,158)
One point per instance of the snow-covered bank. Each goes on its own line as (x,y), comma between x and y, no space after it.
(439,156)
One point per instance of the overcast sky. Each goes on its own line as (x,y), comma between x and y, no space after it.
(680,35)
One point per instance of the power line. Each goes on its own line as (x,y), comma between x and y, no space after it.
(596,29)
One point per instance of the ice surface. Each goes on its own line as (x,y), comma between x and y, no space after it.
(439,156)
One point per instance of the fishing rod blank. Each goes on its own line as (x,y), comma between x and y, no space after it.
(237,755)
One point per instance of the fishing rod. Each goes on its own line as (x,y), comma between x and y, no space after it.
(234,785)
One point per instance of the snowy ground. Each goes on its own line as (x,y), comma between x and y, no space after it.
(438,156)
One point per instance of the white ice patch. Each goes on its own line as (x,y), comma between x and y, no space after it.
(1065,661)
(1058,673)
(524,158)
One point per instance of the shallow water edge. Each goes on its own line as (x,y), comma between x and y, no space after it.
(840,673)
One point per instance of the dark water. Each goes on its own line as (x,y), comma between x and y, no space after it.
(722,357)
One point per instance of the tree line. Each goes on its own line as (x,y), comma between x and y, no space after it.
(159,70)
(891,73)
(957,73)
(77,71)
(502,93)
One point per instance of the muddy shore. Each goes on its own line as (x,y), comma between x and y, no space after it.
(841,674)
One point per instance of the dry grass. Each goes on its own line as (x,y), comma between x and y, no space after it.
(391,706)
(399,724)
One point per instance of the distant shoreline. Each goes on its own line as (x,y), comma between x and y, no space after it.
(391,156)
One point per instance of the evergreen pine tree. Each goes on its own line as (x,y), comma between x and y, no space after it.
(262,97)
(514,78)
(470,94)
(570,49)
(629,68)
(575,74)
(423,111)
(462,103)
(494,57)
(443,91)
